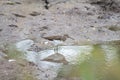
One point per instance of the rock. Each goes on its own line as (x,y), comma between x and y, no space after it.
(34,13)
(31,56)
(24,45)
(19,15)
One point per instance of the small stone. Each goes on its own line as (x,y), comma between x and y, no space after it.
(91,26)
(34,13)
(12,25)
(19,15)
(43,28)
(11,60)
(46,42)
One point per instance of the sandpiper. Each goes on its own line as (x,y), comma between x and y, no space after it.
(58,37)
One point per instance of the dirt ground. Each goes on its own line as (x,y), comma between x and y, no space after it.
(82,20)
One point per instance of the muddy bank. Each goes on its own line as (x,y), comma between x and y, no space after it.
(81,20)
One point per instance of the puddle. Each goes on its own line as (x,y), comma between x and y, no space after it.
(87,62)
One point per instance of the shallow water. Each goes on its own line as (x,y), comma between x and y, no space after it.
(102,63)
(86,62)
